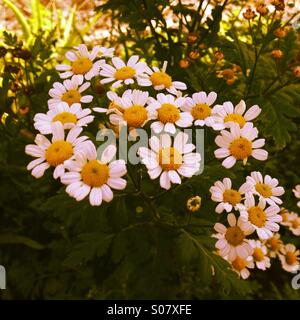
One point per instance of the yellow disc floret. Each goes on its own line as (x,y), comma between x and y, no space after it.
(258,254)
(264,190)
(291,258)
(58,152)
(241,148)
(82,65)
(232,196)
(235,236)
(161,78)
(124,73)
(168,113)
(239,264)
(274,243)
(235,117)
(201,111)
(135,116)
(94,173)
(257,216)
(71,96)
(65,117)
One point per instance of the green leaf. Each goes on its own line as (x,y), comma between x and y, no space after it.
(92,245)
(36,14)
(11,238)
(277,113)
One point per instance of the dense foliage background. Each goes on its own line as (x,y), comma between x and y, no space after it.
(54,247)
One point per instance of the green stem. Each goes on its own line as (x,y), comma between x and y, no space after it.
(142,195)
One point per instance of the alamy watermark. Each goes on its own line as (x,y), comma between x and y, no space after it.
(2,278)
(296,280)
(128,144)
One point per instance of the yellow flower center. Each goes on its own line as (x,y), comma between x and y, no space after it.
(169,159)
(232,196)
(241,148)
(264,190)
(290,258)
(124,73)
(168,113)
(257,216)
(235,117)
(58,152)
(295,223)
(94,173)
(71,96)
(113,105)
(65,117)
(273,243)
(285,215)
(239,264)
(161,78)
(201,111)
(82,65)
(234,235)
(135,116)
(258,254)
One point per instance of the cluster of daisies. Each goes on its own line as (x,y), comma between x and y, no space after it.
(251,238)
(60,145)
(133,101)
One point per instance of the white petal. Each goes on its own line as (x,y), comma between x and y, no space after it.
(229,162)
(117,183)
(57,131)
(165,181)
(117,168)
(107,194)
(95,196)
(108,153)
(174,177)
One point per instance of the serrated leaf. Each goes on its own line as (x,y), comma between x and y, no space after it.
(92,245)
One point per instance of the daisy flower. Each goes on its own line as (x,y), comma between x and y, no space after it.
(289,258)
(227,114)
(54,153)
(113,105)
(265,187)
(229,198)
(161,80)
(232,242)
(241,266)
(260,257)
(127,73)
(83,62)
(274,245)
(239,144)
(68,116)
(70,91)
(170,161)
(166,109)
(134,114)
(263,220)
(199,106)
(89,176)
(297,194)
(293,223)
